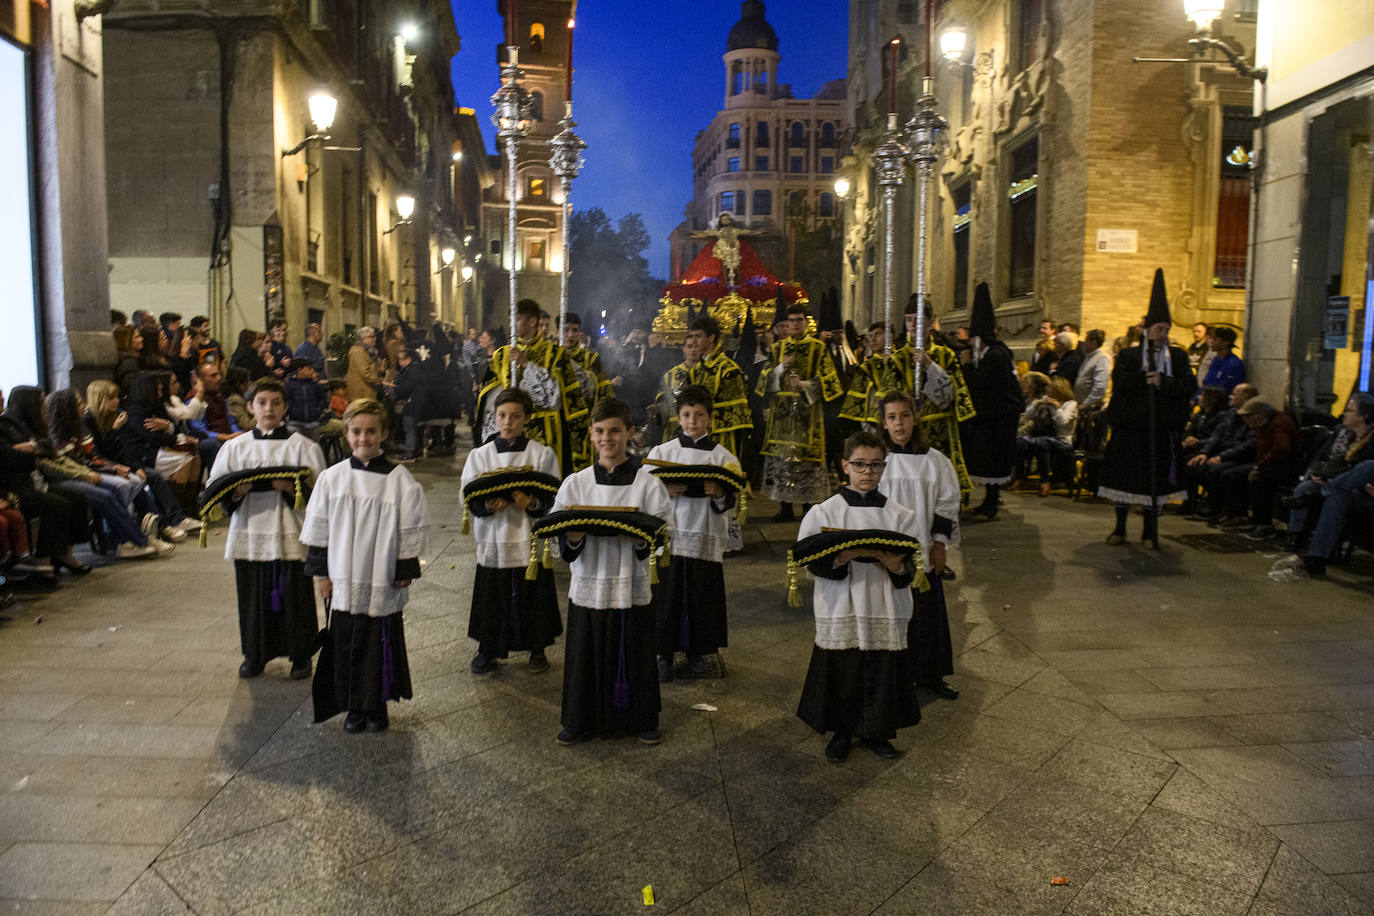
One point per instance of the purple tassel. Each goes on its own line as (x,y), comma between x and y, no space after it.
(276,597)
(620,694)
(388,665)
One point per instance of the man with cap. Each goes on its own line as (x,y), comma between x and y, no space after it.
(1152,391)
(1226,370)
(989,438)
(798,380)
(1278,461)
(593,380)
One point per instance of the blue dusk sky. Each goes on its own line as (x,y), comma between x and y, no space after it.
(648,76)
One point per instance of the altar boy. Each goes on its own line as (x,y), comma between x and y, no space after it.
(510,614)
(859,682)
(691,614)
(365,527)
(610,681)
(276,603)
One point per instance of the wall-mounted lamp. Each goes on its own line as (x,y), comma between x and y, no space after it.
(466,272)
(409,31)
(447,255)
(1202,13)
(323,108)
(953,41)
(842,188)
(405,208)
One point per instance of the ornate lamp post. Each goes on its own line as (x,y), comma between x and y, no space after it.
(925,131)
(890,163)
(514,108)
(566,161)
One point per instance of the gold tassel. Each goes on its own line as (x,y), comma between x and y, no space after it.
(653,565)
(793,574)
(300,495)
(216,514)
(532,570)
(920,582)
(467,519)
(204,534)
(743,512)
(548,553)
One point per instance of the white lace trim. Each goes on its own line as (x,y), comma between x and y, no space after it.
(698,546)
(1121,497)
(505,554)
(866,633)
(367,599)
(259,547)
(609,592)
(994,481)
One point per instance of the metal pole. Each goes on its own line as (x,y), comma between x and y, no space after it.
(511,118)
(890,161)
(925,131)
(566,161)
(511,149)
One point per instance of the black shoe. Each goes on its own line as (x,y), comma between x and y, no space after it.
(784,515)
(651,737)
(377,721)
(567,737)
(1262,533)
(1115,538)
(539,663)
(881,747)
(987,513)
(948,574)
(250,668)
(76,568)
(942,690)
(838,749)
(300,670)
(696,664)
(665,670)
(481,664)
(1315,566)
(355,722)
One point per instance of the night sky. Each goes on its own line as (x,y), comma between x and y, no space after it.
(648,76)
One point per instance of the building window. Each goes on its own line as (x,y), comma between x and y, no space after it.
(761,133)
(906,12)
(1029,15)
(732,140)
(537,189)
(963,199)
(727,201)
(537,37)
(534,255)
(732,164)
(796,134)
(1233,202)
(827,164)
(761,82)
(827,205)
(763,203)
(495,248)
(537,105)
(796,165)
(796,203)
(760,163)
(1022,191)
(828,135)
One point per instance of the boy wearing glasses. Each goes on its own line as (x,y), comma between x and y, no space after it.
(859,683)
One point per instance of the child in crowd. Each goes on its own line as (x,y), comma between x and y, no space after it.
(365,527)
(276,603)
(859,682)
(510,614)
(307,404)
(610,641)
(924,480)
(691,618)
(338,396)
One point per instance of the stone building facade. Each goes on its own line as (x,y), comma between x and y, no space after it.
(220,205)
(765,154)
(1070,173)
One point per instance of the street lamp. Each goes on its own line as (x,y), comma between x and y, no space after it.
(447,254)
(409,32)
(1202,13)
(953,40)
(405,208)
(842,188)
(323,107)
(466,272)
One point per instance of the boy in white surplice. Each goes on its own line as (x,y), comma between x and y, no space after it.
(859,683)
(365,527)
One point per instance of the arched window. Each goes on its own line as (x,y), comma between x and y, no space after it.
(828,134)
(537,105)
(796,135)
(537,37)
(736,79)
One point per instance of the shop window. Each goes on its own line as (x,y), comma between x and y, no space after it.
(19,346)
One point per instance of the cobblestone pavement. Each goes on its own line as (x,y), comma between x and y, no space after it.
(1170,731)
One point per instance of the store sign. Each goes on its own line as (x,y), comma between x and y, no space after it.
(1117,241)
(1336,324)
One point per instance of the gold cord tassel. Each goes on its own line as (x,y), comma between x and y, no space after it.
(793,574)
(204,532)
(919,581)
(743,512)
(300,495)
(215,514)
(653,565)
(467,519)
(532,570)
(548,553)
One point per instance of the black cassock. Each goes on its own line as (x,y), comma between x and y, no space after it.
(1126,461)
(928,641)
(276,610)
(511,613)
(691,609)
(989,439)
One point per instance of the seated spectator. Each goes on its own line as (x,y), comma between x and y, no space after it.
(1354,488)
(307,404)
(309,351)
(206,348)
(1203,423)
(152,438)
(1278,460)
(1226,370)
(1048,425)
(1231,445)
(129,356)
(62,519)
(118,319)
(103,420)
(1068,359)
(236,382)
(74,451)
(216,425)
(1348,446)
(338,397)
(277,348)
(247,357)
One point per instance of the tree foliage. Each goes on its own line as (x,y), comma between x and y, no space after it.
(609,270)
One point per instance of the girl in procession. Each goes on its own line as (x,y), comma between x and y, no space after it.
(365,527)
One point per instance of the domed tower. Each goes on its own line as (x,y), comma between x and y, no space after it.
(751,59)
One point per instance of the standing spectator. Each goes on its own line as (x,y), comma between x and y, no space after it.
(307,405)
(207,349)
(1198,348)
(411,397)
(1044,345)
(247,358)
(1090,387)
(309,351)
(1226,370)
(118,319)
(364,377)
(278,348)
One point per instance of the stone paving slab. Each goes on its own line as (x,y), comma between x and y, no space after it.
(1171,731)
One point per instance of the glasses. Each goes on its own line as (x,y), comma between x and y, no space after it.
(867,467)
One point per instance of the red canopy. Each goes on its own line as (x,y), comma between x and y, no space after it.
(704,280)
